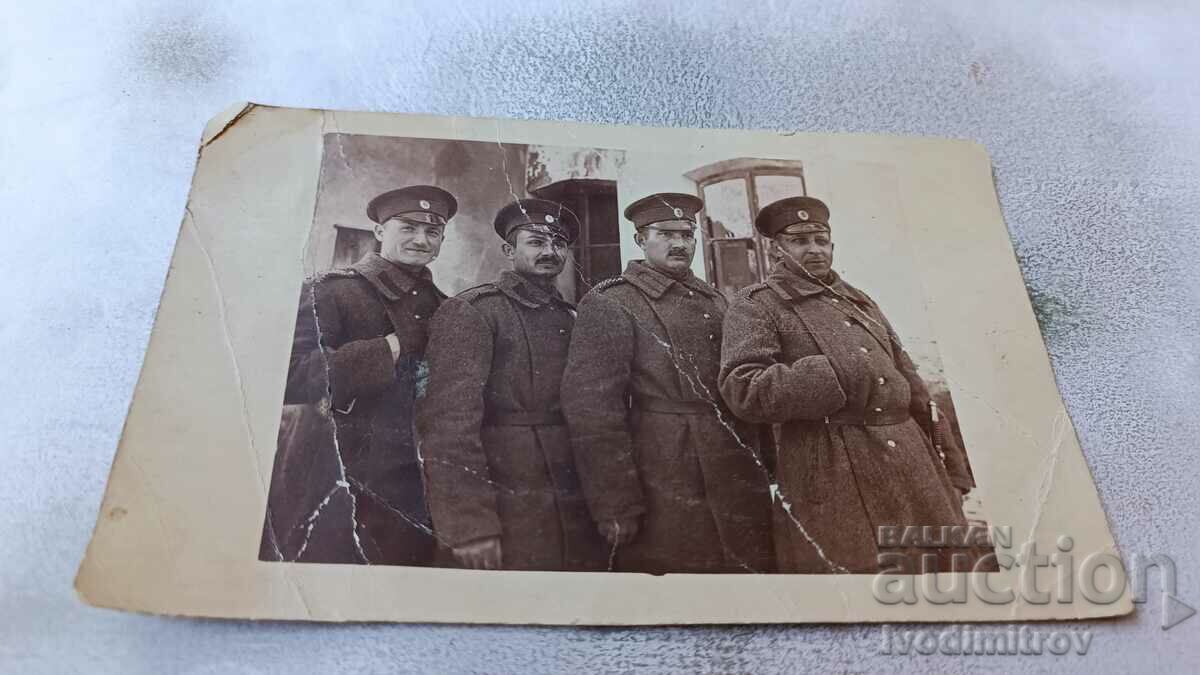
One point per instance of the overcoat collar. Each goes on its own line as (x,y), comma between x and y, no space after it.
(527,293)
(792,286)
(655,284)
(391,280)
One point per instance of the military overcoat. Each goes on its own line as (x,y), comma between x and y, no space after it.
(651,436)
(346,486)
(822,361)
(493,443)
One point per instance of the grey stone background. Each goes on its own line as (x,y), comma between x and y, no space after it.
(1091,112)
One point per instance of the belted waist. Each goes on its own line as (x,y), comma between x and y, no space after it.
(870,419)
(671,406)
(523,418)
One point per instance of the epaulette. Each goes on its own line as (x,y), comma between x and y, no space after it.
(475,292)
(344,273)
(608,283)
(752,289)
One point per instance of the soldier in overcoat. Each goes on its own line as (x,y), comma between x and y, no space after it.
(674,481)
(346,486)
(808,351)
(502,485)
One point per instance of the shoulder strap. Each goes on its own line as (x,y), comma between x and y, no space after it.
(606,284)
(343,273)
(475,292)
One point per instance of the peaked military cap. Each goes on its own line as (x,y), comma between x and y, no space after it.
(794,214)
(418,203)
(663,206)
(537,215)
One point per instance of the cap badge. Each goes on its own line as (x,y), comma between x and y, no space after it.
(678,212)
(549,218)
(424,204)
(802,214)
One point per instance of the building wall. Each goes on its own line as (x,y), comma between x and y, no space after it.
(549,164)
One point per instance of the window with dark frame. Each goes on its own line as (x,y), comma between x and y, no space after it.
(735,255)
(597,251)
(351,244)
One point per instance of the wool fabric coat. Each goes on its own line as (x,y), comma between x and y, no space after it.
(653,440)
(822,361)
(346,486)
(493,443)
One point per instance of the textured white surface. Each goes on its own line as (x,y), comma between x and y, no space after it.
(1091,112)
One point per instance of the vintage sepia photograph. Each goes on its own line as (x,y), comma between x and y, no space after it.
(531,372)
(536,357)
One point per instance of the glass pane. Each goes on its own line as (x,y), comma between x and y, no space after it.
(726,205)
(603,223)
(351,245)
(737,265)
(774,188)
(605,263)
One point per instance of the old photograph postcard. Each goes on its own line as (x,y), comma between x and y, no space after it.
(428,369)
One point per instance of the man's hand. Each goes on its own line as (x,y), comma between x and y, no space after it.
(483,554)
(619,532)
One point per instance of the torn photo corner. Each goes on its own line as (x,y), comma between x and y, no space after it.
(435,369)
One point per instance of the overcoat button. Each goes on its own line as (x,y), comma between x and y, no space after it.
(891,444)
(863,350)
(879,410)
(882,380)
